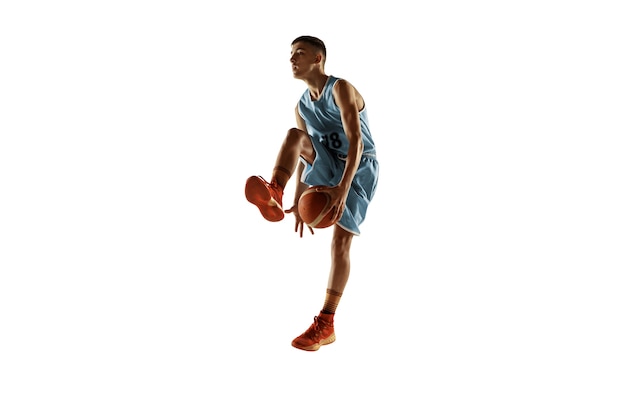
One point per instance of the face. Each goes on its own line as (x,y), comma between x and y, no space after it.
(303,59)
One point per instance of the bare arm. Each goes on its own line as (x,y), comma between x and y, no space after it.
(349,102)
(300,186)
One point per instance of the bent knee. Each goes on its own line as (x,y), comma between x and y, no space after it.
(296,135)
(301,140)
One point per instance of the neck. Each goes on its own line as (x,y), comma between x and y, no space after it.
(316,85)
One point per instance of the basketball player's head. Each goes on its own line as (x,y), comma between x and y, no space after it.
(316,44)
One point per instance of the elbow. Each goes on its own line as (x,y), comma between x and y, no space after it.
(359,147)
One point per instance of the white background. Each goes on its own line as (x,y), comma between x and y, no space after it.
(137,281)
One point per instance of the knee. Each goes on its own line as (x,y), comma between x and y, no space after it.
(340,246)
(295,136)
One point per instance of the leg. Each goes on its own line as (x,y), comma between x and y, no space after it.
(268,196)
(322,331)
(297,143)
(339,268)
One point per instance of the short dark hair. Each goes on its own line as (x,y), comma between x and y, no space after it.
(313,41)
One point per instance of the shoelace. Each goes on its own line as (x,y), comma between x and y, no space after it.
(316,328)
(272,186)
(279,191)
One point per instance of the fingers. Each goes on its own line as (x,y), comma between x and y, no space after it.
(299,223)
(300,228)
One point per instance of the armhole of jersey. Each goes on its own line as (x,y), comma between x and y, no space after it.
(332,91)
(333,95)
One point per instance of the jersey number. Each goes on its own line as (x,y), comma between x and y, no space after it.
(335,142)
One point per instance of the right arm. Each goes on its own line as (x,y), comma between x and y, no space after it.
(300,186)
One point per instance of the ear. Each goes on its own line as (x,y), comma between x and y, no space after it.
(318,58)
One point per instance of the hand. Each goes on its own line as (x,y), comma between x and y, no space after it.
(337,200)
(299,222)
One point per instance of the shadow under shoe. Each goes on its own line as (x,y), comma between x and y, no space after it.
(320,333)
(268,197)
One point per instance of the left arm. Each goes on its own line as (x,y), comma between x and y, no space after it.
(349,102)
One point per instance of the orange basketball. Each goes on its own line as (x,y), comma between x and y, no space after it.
(314,208)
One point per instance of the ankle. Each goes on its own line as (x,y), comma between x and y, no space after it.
(326,316)
(280,177)
(278,185)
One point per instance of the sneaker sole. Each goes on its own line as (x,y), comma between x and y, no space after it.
(258,194)
(330,339)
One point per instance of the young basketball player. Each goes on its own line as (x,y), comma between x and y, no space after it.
(336,150)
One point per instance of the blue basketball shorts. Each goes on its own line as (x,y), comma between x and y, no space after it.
(327,169)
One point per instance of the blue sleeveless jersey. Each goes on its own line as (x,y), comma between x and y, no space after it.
(323,121)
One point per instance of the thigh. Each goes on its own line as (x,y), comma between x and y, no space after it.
(307,151)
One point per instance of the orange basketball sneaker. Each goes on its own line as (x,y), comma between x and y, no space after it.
(268,197)
(321,332)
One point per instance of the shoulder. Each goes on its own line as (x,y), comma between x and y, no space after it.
(339,83)
(343,90)
(342,87)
